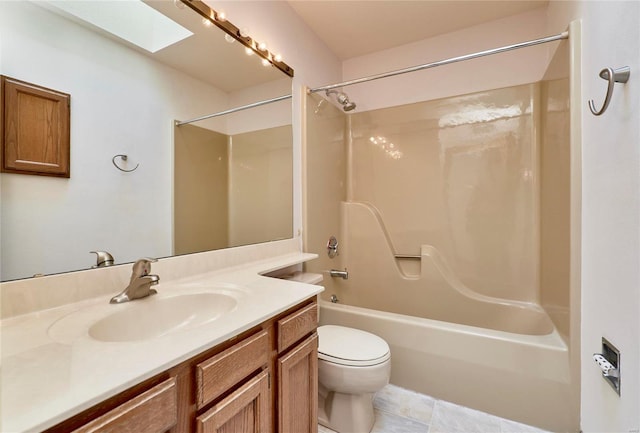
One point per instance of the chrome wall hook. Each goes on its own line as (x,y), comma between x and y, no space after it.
(620,75)
(124,158)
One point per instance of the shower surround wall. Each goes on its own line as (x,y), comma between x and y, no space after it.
(476,188)
(457,182)
(324,184)
(457,174)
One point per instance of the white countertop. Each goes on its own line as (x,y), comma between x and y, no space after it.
(48,377)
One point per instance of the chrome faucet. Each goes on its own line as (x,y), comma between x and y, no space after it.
(140,283)
(103,259)
(342,274)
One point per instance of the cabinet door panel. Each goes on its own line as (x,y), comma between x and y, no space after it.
(153,411)
(36,129)
(298,388)
(247,410)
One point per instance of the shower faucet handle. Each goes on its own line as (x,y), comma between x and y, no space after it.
(332,247)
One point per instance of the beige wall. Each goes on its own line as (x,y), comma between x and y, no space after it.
(200,190)
(555,190)
(605,296)
(260,179)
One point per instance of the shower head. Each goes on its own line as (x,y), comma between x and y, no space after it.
(342,99)
(349,106)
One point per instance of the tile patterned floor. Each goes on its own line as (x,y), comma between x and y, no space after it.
(402,411)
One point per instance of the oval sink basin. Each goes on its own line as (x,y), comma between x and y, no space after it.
(154,317)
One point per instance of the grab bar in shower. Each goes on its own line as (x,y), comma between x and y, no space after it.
(408,256)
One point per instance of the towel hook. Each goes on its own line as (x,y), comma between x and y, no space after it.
(124,158)
(620,75)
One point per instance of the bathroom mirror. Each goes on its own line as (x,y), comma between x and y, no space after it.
(125,101)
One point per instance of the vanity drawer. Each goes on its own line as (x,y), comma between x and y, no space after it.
(153,411)
(222,371)
(297,325)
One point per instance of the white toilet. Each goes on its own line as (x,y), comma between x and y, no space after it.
(352,366)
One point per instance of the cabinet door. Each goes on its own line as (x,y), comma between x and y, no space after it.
(298,388)
(247,410)
(36,129)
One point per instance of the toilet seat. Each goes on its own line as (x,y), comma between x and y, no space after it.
(351,347)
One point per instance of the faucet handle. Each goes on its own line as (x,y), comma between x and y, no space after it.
(142,267)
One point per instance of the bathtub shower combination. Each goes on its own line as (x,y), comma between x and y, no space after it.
(452,218)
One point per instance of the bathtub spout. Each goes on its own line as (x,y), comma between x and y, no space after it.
(342,274)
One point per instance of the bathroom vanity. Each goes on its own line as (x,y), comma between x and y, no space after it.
(250,367)
(263,380)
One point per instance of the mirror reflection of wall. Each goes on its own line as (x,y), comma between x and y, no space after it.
(123,101)
(230,190)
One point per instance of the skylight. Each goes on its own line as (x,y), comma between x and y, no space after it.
(131,20)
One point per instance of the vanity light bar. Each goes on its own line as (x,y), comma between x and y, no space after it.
(221,21)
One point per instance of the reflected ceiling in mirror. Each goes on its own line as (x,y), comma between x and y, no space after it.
(124,101)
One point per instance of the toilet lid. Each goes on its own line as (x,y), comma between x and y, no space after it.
(349,346)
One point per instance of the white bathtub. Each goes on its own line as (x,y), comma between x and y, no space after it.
(525,378)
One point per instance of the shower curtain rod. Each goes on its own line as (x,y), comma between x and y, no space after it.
(563,35)
(233,110)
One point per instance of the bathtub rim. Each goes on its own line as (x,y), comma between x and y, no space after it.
(552,341)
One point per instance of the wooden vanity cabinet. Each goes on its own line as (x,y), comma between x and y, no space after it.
(262,381)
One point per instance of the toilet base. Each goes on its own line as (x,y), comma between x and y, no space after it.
(346,413)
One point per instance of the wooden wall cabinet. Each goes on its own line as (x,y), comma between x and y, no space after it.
(264,380)
(35,129)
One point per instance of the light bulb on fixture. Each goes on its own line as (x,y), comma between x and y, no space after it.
(265,62)
(262,46)
(178,4)
(249,51)
(206,22)
(244,32)
(229,38)
(278,58)
(221,16)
